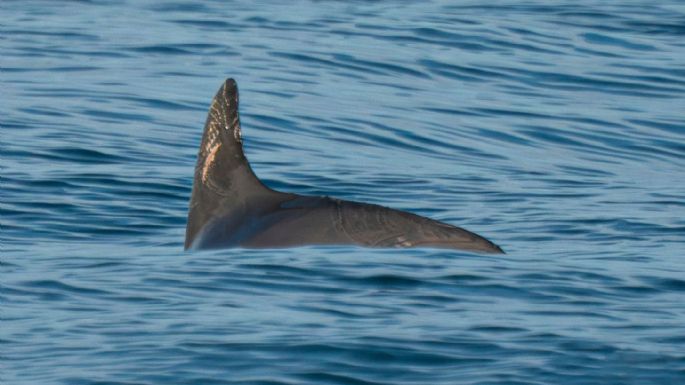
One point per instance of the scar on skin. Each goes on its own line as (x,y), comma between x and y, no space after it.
(209,160)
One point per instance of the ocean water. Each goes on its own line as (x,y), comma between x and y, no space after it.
(555,129)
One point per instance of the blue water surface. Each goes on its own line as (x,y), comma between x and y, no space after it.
(556,129)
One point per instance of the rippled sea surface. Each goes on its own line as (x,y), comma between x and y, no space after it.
(556,131)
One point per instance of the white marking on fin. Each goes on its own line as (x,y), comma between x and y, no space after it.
(209,160)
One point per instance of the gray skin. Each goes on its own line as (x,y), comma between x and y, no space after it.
(230,207)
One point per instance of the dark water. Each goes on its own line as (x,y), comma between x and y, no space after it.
(556,131)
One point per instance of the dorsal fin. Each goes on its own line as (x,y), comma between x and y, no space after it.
(224,180)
